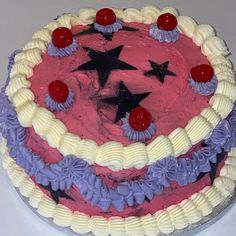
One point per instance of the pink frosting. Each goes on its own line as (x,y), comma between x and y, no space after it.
(171,104)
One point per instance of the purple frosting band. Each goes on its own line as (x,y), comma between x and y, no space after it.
(163,35)
(203,88)
(56,106)
(137,135)
(62,52)
(108,29)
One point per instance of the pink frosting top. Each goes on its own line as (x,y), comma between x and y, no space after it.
(172,104)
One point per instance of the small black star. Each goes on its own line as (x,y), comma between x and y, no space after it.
(126,101)
(107,36)
(104,63)
(159,70)
(56,194)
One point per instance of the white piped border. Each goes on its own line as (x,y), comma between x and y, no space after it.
(113,154)
(166,221)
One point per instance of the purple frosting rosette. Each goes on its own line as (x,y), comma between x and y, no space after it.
(56,106)
(134,135)
(62,52)
(108,29)
(202,88)
(163,35)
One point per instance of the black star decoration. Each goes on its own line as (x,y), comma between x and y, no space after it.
(214,167)
(159,70)
(56,194)
(104,63)
(107,36)
(126,101)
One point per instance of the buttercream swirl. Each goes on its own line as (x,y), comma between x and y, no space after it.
(62,52)
(163,35)
(202,88)
(137,135)
(68,171)
(56,106)
(108,29)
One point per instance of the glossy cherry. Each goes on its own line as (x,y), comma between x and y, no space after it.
(62,37)
(202,73)
(167,22)
(105,17)
(140,119)
(58,91)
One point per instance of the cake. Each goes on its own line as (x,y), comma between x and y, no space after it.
(121,122)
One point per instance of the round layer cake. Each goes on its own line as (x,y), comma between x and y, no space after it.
(121,122)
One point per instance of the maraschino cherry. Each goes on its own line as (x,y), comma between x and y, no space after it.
(105,17)
(202,73)
(140,119)
(167,22)
(58,91)
(62,37)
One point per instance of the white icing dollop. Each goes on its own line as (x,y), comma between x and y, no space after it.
(150,14)
(214,46)
(201,33)
(186,25)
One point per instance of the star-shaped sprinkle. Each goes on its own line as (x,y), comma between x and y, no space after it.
(107,36)
(126,101)
(159,70)
(57,194)
(104,63)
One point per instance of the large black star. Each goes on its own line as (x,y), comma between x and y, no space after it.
(107,36)
(104,63)
(126,101)
(159,70)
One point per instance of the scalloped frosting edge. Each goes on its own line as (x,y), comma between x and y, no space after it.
(113,154)
(166,221)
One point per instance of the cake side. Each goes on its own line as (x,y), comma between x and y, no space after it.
(176,217)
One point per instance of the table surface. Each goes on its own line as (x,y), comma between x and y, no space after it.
(20,19)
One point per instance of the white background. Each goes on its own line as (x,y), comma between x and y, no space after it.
(19,19)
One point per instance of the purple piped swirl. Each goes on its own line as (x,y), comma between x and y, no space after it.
(68,171)
(62,52)
(56,106)
(205,89)
(134,135)
(163,171)
(163,35)
(108,29)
